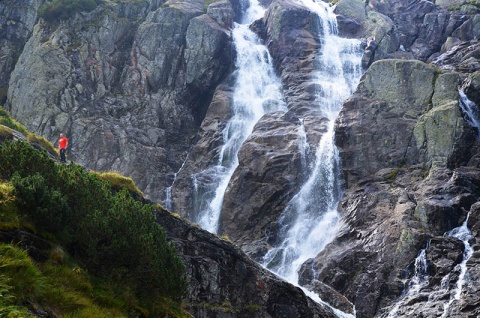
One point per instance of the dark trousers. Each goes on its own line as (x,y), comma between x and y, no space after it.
(62,155)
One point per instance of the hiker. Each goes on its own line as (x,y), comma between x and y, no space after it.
(62,146)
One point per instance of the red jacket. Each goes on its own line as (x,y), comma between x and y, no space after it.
(63,143)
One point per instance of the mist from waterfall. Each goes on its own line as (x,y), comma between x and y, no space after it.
(257,91)
(310,220)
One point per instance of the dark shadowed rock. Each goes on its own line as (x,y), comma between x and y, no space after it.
(17,20)
(224,282)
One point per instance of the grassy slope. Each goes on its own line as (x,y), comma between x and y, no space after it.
(58,284)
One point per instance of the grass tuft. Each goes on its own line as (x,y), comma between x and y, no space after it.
(7,120)
(42,142)
(119,181)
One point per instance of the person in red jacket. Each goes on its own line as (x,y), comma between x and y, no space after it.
(62,147)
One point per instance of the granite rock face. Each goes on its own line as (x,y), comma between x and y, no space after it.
(146,88)
(126,87)
(411,175)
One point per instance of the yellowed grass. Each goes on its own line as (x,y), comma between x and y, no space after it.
(118,180)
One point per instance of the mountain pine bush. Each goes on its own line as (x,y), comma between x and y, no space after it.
(111,234)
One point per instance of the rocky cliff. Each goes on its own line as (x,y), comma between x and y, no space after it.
(146,88)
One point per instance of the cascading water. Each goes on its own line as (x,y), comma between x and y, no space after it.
(304,147)
(310,220)
(419,284)
(168,203)
(472,114)
(462,233)
(257,92)
(419,280)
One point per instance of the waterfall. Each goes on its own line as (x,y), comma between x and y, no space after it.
(257,91)
(310,220)
(419,280)
(168,191)
(462,233)
(471,111)
(303,146)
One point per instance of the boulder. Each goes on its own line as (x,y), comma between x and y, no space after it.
(351,17)
(390,98)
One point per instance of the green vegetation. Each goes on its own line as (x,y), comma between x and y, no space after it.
(107,232)
(117,181)
(474,3)
(56,10)
(7,120)
(5,133)
(42,142)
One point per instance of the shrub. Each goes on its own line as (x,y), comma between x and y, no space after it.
(22,158)
(127,237)
(47,207)
(108,233)
(65,9)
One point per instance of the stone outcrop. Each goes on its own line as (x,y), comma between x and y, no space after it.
(17,20)
(409,29)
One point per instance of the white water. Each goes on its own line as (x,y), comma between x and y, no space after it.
(310,221)
(257,92)
(462,233)
(419,280)
(168,191)
(471,111)
(303,146)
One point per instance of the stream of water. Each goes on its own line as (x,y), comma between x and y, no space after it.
(310,220)
(446,295)
(470,109)
(257,91)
